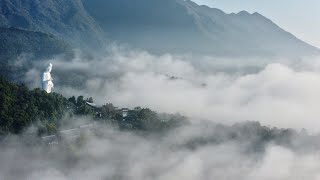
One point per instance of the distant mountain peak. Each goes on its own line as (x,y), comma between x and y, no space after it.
(257,14)
(243,13)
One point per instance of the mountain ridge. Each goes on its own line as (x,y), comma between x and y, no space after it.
(251,24)
(184,26)
(167,26)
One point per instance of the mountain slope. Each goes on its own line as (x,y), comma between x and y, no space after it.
(160,26)
(66,19)
(183,26)
(15,42)
(247,32)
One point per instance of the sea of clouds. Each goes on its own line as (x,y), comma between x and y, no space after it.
(278,92)
(123,156)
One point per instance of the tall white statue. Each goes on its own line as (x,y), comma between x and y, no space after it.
(46,80)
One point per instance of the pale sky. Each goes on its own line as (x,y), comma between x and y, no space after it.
(300,17)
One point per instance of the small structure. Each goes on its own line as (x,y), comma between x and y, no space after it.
(92,105)
(125,112)
(95,108)
(128,115)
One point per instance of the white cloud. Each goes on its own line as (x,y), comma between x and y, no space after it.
(279,93)
(122,155)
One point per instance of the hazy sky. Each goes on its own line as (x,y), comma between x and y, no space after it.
(302,18)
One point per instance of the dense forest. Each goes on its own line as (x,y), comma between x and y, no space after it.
(20,107)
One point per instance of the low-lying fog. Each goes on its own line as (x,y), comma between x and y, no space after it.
(173,156)
(280,92)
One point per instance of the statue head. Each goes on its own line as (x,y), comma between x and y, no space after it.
(49,68)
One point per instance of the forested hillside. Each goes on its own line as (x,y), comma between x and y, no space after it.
(21,108)
(17,41)
(66,19)
(35,45)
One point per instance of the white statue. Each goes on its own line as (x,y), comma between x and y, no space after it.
(46,80)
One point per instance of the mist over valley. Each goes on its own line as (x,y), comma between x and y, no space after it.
(149,89)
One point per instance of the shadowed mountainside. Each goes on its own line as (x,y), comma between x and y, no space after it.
(184,26)
(36,45)
(166,26)
(66,19)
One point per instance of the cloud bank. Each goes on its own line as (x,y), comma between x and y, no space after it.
(121,155)
(283,93)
